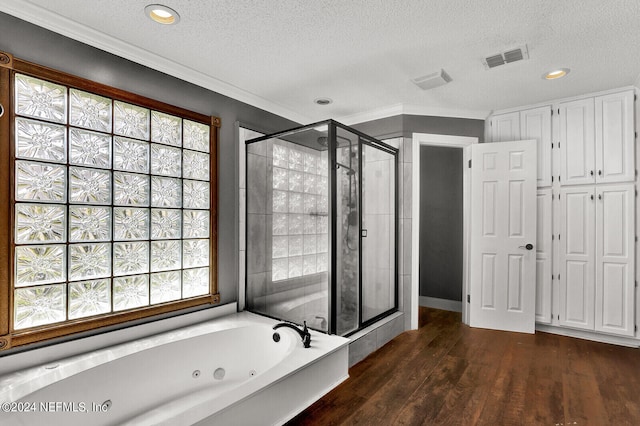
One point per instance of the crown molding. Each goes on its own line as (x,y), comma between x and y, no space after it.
(471,114)
(44,18)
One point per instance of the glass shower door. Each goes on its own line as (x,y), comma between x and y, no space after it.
(378,232)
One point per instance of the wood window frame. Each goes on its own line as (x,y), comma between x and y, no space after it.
(10,338)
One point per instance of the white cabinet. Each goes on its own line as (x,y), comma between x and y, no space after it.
(543,256)
(614,138)
(577,257)
(536,124)
(585,276)
(505,127)
(615,240)
(597,232)
(532,123)
(596,140)
(577,142)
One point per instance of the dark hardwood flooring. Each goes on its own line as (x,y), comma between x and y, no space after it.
(449,374)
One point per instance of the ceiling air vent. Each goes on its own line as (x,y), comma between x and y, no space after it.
(435,79)
(511,55)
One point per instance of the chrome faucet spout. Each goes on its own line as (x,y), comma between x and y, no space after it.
(304,333)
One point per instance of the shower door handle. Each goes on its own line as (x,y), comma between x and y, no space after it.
(363,233)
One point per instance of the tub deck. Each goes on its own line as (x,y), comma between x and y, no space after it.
(154,381)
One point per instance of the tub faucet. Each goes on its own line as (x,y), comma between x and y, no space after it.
(304,333)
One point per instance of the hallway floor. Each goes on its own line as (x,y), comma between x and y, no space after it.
(447,373)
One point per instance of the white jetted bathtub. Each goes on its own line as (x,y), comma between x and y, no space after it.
(227,371)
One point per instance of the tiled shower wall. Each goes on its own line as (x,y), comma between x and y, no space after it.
(257,202)
(405,153)
(405,226)
(243,135)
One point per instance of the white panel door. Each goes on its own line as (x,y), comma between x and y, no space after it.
(615,234)
(505,127)
(536,124)
(543,256)
(503,236)
(614,138)
(577,257)
(577,143)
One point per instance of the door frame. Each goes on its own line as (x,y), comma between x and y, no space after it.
(448,141)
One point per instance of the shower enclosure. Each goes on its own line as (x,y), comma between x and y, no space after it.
(321,227)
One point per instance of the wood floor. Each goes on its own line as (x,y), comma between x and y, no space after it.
(447,373)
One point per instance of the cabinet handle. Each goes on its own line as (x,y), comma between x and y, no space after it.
(591,172)
(599,196)
(592,196)
(599,172)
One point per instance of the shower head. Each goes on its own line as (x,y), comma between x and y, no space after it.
(323,141)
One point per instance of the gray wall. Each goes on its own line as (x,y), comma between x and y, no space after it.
(384,128)
(443,126)
(38,45)
(405,125)
(441,222)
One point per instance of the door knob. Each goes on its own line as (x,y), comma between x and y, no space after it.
(528,246)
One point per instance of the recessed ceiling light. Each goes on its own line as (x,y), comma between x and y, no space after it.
(323,101)
(162,14)
(559,73)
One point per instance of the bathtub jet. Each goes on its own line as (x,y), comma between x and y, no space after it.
(304,333)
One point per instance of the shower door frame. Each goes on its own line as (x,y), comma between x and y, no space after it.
(367,140)
(363,139)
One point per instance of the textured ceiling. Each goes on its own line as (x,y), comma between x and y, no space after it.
(282,54)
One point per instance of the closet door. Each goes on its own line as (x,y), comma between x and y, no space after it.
(577,257)
(536,124)
(614,137)
(577,142)
(505,127)
(543,256)
(615,231)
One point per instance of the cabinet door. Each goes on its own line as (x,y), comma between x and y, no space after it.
(614,138)
(543,256)
(505,127)
(615,283)
(577,257)
(536,124)
(577,142)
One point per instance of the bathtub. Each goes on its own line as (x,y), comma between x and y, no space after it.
(225,371)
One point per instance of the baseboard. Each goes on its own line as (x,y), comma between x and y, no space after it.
(444,304)
(587,335)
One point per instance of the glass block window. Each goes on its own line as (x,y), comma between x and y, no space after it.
(300,212)
(112,205)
